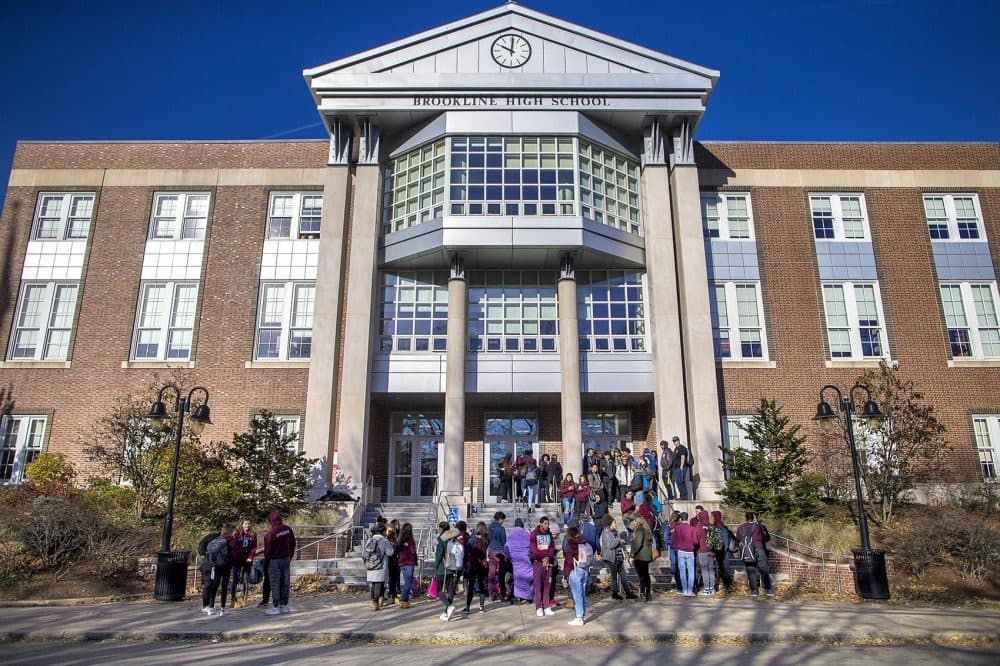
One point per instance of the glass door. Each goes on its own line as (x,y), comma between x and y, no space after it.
(507,434)
(414,457)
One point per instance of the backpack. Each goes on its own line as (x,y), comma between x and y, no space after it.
(636,484)
(657,505)
(454,557)
(584,555)
(645,482)
(218,552)
(257,572)
(714,538)
(531,476)
(372,556)
(747,551)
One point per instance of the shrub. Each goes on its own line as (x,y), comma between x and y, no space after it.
(115,547)
(53,530)
(973,544)
(916,545)
(50,468)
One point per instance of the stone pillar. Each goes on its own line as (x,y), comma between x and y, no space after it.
(454,394)
(569,366)
(661,287)
(353,388)
(701,387)
(320,398)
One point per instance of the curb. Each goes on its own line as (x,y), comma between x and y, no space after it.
(79,601)
(509,638)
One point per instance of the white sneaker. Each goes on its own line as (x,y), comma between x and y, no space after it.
(207,610)
(285,609)
(449,612)
(444,616)
(273,610)
(221,612)
(539,612)
(576,622)
(549,611)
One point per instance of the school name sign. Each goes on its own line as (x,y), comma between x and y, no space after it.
(508,101)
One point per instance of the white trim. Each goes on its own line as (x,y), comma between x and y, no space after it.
(295,218)
(45,314)
(164,325)
(973,326)
(19,429)
(177,221)
(853,323)
(951,215)
(734,328)
(992,447)
(837,211)
(721,200)
(290,291)
(66,205)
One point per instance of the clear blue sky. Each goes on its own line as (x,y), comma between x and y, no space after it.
(843,70)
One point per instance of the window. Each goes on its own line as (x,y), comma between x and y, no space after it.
(164,321)
(21,440)
(294,215)
(854,320)
(953,216)
(609,188)
(43,322)
(63,216)
(839,217)
(605,431)
(512,311)
(178,216)
(414,188)
(738,316)
(285,320)
(970,313)
(611,313)
(986,430)
(726,216)
(414,312)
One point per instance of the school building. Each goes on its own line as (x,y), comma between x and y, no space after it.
(510,241)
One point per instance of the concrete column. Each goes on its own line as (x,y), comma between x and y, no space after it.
(661,287)
(320,398)
(350,453)
(701,387)
(454,394)
(569,366)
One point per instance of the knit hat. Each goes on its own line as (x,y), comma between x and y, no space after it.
(518,522)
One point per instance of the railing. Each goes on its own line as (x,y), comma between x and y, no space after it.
(470,508)
(825,559)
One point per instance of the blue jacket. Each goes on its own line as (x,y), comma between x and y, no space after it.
(498,537)
(589,532)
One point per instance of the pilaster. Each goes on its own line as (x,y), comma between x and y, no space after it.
(569,365)
(454,397)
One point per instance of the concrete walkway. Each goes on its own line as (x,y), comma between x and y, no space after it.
(671,619)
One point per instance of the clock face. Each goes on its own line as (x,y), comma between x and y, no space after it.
(511,50)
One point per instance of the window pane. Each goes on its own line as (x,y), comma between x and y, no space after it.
(836,308)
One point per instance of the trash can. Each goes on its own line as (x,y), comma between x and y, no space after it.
(871,578)
(171,575)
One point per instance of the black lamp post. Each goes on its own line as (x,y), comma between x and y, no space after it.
(171,567)
(871,578)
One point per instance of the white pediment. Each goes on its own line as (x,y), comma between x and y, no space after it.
(463,47)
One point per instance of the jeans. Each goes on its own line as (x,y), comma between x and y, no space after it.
(378,589)
(475,579)
(619,583)
(675,571)
(280,580)
(760,570)
(265,585)
(219,578)
(446,588)
(503,490)
(706,564)
(680,480)
(392,583)
(543,584)
(638,498)
(578,588)
(567,507)
(685,562)
(238,578)
(532,494)
(407,571)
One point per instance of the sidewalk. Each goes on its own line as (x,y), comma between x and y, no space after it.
(668,619)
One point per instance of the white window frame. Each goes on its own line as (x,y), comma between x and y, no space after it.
(724,228)
(290,423)
(951,214)
(295,219)
(290,301)
(986,437)
(733,319)
(836,207)
(854,324)
(166,328)
(65,231)
(181,221)
(973,325)
(18,427)
(46,327)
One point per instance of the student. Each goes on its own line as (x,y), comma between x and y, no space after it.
(499,563)
(407,558)
(205,567)
(504,475)
(684,539)
(543,556)
(391,590)
(724,544)
(218,552)
(628,506)
(679,472)
(477,566)
(752,538)
(279,547)
(532,479)
(242,561)
(642,555)
(706,558)
(518,551)
(567,491)
(668,540)
(447,576)
(543,479)
(582,498)
(555,473)
(578,556)
(613,555)
(376,556)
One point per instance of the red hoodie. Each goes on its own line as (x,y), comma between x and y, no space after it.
(685,537)
(542,545)
(582,492)
(279,541)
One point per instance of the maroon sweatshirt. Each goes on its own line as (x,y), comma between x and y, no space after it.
(542,545)
(684,537)
(279,541)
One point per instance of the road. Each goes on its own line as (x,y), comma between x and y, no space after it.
(183,653)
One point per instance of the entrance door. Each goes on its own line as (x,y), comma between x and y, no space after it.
(414,457)
(513,434)
(604,431)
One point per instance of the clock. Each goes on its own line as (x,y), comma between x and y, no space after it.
(510,50)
